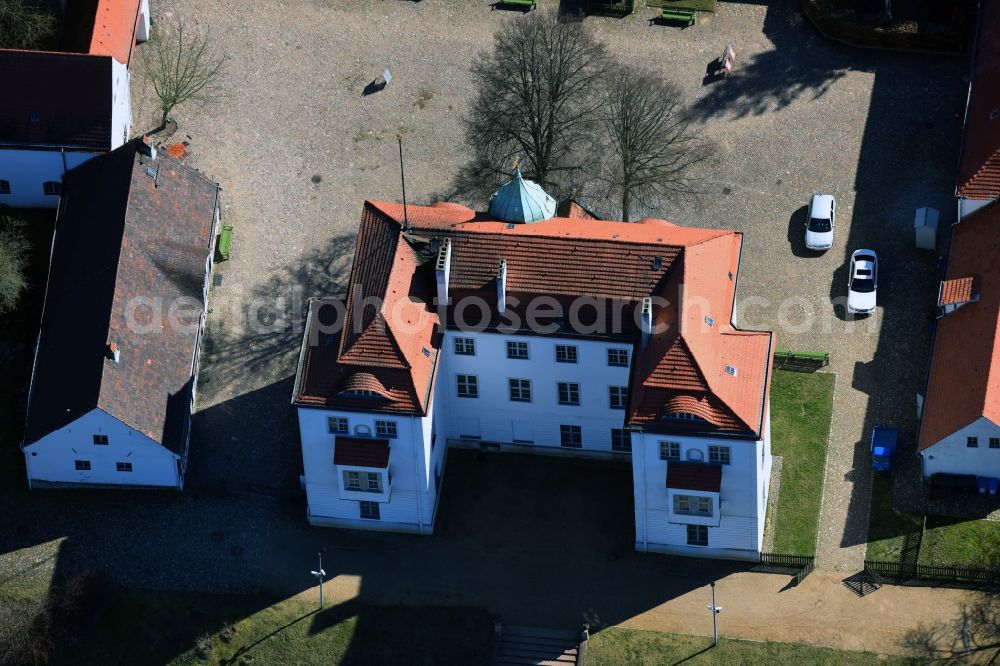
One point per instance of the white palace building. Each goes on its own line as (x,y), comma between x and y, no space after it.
(557,333)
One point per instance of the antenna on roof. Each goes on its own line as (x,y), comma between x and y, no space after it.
(402,178)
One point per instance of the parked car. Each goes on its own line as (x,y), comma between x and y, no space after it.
(821,222)
(862,282)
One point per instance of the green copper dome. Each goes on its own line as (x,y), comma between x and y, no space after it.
(521,201)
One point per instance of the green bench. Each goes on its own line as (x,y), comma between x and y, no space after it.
(785,357)
(682,15)
(225,245)
(520,3)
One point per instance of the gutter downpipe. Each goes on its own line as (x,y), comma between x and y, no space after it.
(416,468)
(645,522)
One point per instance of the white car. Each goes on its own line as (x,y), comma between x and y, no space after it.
(862,282)
(821,222)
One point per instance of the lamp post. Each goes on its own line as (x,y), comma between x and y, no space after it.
(715,621)
(320,575)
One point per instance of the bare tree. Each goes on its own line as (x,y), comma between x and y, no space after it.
(653,144)
(182,66)
(14,249)
(26,25)
(537,94)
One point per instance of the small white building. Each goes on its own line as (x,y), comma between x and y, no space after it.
(960,424)
(116,365)
(524,330)
(62,108)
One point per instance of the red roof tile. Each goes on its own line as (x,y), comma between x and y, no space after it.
(563,257)
(361,452)
(694,476)
(979,168)
(958,290)
(964,380)
(115,29)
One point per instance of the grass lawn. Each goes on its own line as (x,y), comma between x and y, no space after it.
(114,626)
(892,534)
(630,646)
(801,408)
(953,541)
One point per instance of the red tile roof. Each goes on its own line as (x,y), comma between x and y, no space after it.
(958,290)
(361,452)
(694,476)
(114,29)
(979,168)
(563,257)
(964,380)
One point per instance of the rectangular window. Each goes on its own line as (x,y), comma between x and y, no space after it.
(52,188)
(697,535)
(337,425)
(719,454)
(468,386)
(569,393)
(620,440)
(995,442)
(972,442)
(520,390)
(386,429)
(101,439)
(566,353)
(517,349)
(618,358)
(352,480)
(617,396)
(4,187)
(374,482)
(369,510)
(82,465)
(692,505)
(570,436)
(465,346)
(123,466)
(670,451)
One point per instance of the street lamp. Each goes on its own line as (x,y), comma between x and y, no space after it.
(320,575)
(715,612)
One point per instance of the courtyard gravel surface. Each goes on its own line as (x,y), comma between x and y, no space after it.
(800,115)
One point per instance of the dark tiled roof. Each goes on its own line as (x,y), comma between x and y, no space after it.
(57,99)
(361,452)
(122,236)
(979,168)
(964,379)
(694,476)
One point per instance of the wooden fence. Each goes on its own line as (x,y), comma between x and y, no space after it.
(902,572)
(799,566)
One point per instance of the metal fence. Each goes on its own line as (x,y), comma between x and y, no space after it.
(901,572)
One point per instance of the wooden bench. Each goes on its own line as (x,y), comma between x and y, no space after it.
(682,15)
(531,4)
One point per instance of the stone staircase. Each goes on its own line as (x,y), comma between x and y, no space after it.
(524,646)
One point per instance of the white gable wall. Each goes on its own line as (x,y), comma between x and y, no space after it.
(736,528)
(51,460)
(121,104)
(408,505)
(953,455)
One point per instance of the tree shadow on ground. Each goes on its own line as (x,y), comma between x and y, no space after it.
(776,78)
(972,636)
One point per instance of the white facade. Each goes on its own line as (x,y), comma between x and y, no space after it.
(26,169)
(491,418)
(71,456)
(954,455)
(967,207)
(736,523)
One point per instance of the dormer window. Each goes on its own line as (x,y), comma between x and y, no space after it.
(361,393)
(684,416)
